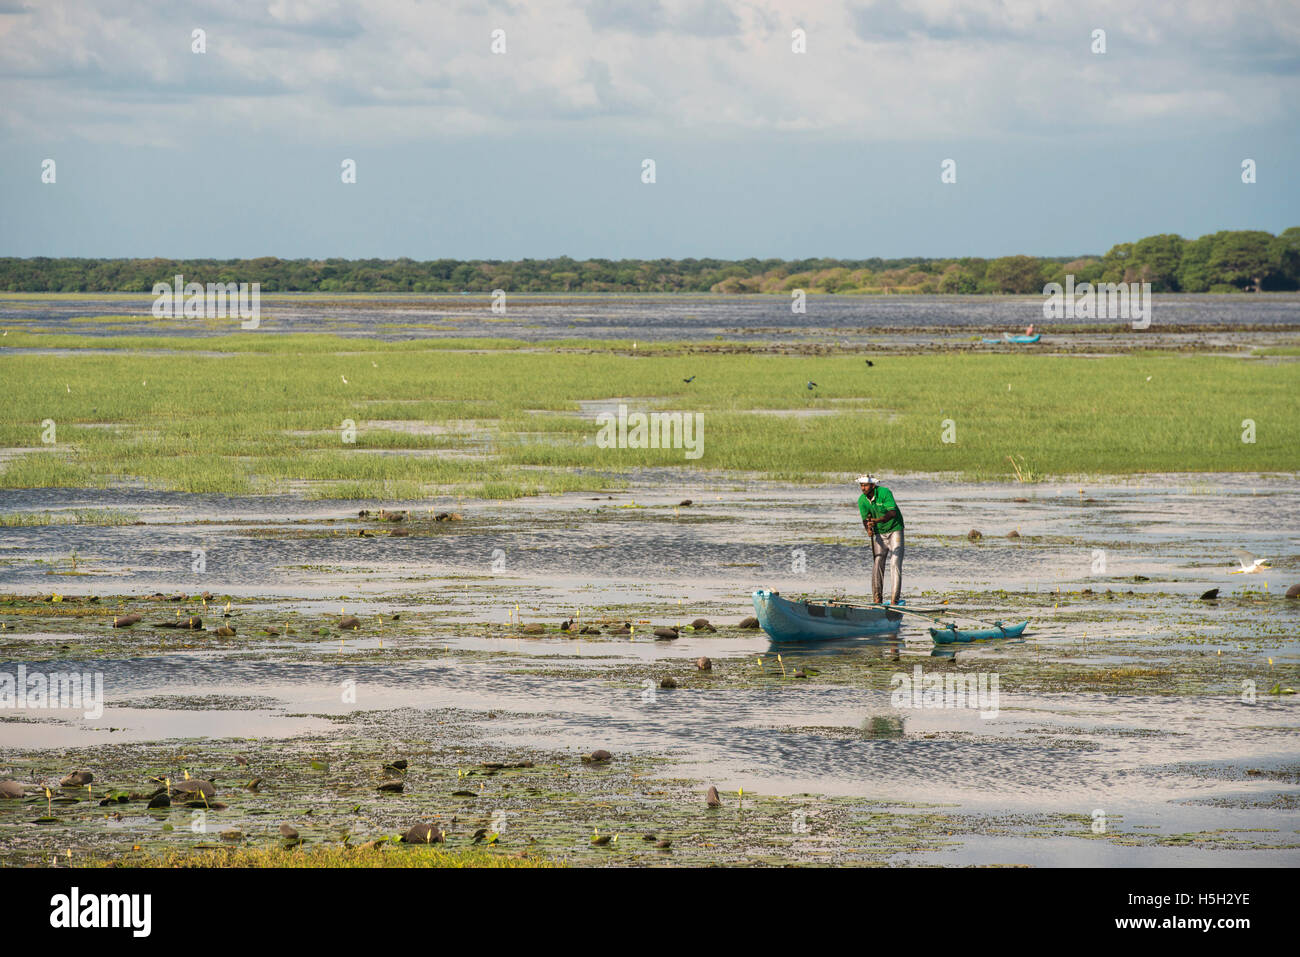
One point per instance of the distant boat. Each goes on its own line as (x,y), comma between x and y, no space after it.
(1008,337)
(786,620)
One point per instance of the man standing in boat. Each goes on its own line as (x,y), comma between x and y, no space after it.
(884,523)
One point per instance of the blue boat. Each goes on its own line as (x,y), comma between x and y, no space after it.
(1018,340)
(786,620)
(950,634)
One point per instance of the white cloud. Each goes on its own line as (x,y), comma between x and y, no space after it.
(393,71)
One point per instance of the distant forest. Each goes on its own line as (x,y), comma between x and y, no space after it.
(1227,261)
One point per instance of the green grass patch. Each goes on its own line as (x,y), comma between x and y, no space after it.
(273,411)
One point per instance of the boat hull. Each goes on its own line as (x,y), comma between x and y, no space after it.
(1014,340)
(948,636)
(786,620)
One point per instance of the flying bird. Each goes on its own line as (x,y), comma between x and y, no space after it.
(811,385)
(1256,564)
(691,379)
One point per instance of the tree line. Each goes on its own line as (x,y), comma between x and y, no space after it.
(1226,261)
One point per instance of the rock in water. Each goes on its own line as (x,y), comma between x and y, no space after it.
(684,503)
(193,788)
(160,800)
(668,683)
(974,535)
(599,756)
(349,623)
(1210,595)
(704,664)
(10,789)
(712,799)
(1013,534)
(392,786)
(289,832)
(702,624)
(125,621)
(600,840)
(533,629)
(1293,591)
(225,631)
(77,779)
(424,834)
(750,622)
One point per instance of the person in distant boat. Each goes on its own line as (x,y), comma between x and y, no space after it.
(884,523)
(1029,330)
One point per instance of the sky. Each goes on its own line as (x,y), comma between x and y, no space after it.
(538,151)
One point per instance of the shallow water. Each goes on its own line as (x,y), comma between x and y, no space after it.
(835,319)
(573,551)
(1148,760)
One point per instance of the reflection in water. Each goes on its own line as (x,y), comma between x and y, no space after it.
(878,646)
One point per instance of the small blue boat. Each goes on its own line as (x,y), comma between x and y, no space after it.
(950,634)
(1018,340)
(786,620)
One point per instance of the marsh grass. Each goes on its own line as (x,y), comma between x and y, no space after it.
(270,411)
(80,516)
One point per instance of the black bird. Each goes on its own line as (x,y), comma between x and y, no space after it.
(870,363)
(691,379)
(811,386)
(1210,595)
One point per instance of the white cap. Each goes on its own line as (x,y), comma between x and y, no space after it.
(866,480)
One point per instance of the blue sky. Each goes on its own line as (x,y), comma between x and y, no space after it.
(759,151)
